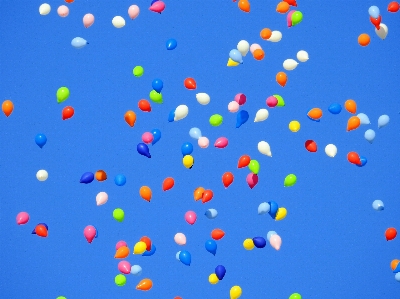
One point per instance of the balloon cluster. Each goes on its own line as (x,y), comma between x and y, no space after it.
(148,137)
(272,208)
(157,6)
(219,274)
(284,6)
(203,194)
(275,101)
(259,242)
(293,18)
(356,159)
(395,266)
(254,167)
(374,16)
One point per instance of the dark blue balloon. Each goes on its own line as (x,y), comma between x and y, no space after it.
(40,140)
(151,252)
(335,108)
(273,209)
(171,116)
(171,44)
(363,161)
(187,148)
(156,136)
(157,85)
(241,118)
(259,242)
(211,246)
(97,232)
(143,149)
(317,120)
(153,2)
(120,180)
(45,225)
(87,178)
(220,272)
(185,257)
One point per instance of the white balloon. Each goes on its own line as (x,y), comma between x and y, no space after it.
(331,150)
(44,9)
(203,98)
(181,112)
(276,36)
(264,148)
(383,31)
(302,56)
(42,175)
(290,64)
(243,47)
(118,22)
(261,115)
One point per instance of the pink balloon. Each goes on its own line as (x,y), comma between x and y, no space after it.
(133,11)
(240,98)
(120,244)
(254,47)
(221,142)
(190,217)
(289,18)
(124,267)
(147,137)
(89,232)
(272,101)
(101,198)
(180,239)
(88,20)
(22,218)
(275,242)
(158,6)
(203,142)
(233,106)
(252,180)
(63,11)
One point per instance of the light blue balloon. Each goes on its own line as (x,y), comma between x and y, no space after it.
(195,133)
(236,56)
(177,256)
(374,12)
(136,270)
(364,119)
(383,120)
(263,208)
(369,135)
(378,205)
(211,213)
(270,234)
(397,276)
(79,42)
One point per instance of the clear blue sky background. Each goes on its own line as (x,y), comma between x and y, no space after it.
(333,241)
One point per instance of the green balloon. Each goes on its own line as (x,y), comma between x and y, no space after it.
(156,97)
(254,166)
(216,120)
(297,17)
(138,71)
(119,215)
(290,180)
(281,102)
(120,280)
(62,94)
(61,297)
(295,296)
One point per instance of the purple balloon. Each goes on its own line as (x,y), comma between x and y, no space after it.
(143,149)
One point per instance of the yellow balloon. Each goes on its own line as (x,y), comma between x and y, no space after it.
(235,292)
(213,279)
(140,248)
(188,161)
(294,126)
(281,214)
(248,244)
(232,63)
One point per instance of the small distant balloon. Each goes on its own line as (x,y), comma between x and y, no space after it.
(185,257)
(124,267)
(44,9)
(270,234)
(22,218)
(220,272)
(383,120)
(331,150)
(281,79)
(133,11)
(263,208)
(171,44)
(190,217)
(168,183)
(235,291)
(190,83)
(89,233)
(364,119)
(67,113)
(40,140)
(157,85)
(378,205)
(374,12)
(118,22)
(393,6)
(42,175)
(145,285)
(221,142)
(63,11)
(236,56)
(211,213)
(203,142)
(369,135)
(203,98)
(290,180)
(211,246)
(261,115)
(195,133)
(136,270)
(87,178)
(157,6)
(335,108)
(302,56)
(180,239)
(187,148)
(88,20)
(241,118)
(120,180)
(390,234)
(157,136)
(252,180)
(7,107)
(143,149)
(79,43)
(119,215)
(101,198)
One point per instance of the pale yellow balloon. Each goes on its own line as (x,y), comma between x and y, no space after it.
(281,214)
(294,126)
(236,292)
(140,248)
(248,244)
(213,278)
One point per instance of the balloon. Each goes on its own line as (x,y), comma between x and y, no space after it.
(240,98)
(297,17)
(188,161)
(7,107)
(353,158)
(273,210)
(275,241)
(281,214)
(383,120)
(236,56)
(378,205)
(180,239)
(143,149)
(207,196)
(232,63)
(252,180)
(363,161)
(158,6)
(157,136)
(270,234)
(120,280)
(335,108)
(259,54)
(190,217)
(263,208)
(87,178)
(156,97)
(254,47)
(63,11)
(119,214)
(44,9)
(136,270)
(122,252)
(364,120)
(88,20)
(221,142)
(295,296)
(254,166)
(139,248)
(124,267)
(203,98)
(181,112)
(130,118)
(213,279)
(243,47)
(42,175)
(331,150)
(302,56)
(233,107)
(364,40)
(353,123)
(138,71)
(394,264)
(79,43)
(294,126)
(220,271)
(157,85)
(369,135)
(281,78)
(185,257)
(291,2)
(198,193)
(281,102)
(393,6)
(151,252)
(350,106)
(243,161)
(390,234)
(275,37)
(374,12)
(101,198)
(211,246)
(227,179)
(118,22)
(89,232)
(382,32)
(235,292)
(203,142)
(171,44)
(261,115)
(187,148)
(120,180)
(147,137)
(244,5)
(248,244)
(311,146)
(133,11)
(145,193)
(259,242)
(67,112)
(195,133)
(282,7)
(62,94)
(147,241)
(217,234)
(315,114)
(290,64)
(397,277)
(40,140)
(290,180)
(216,120)
(190,83)
(145,284)
(241,118)
(265,33)
(120,244)
(272,102)
(22,218)
(168,183)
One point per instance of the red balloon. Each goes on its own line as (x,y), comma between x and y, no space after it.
(147,241)
(390,233)
(244,161)
(394,6)
(190,83)
(207,196)
(144,105)
(168,184)
(67,112)
(41,230)
(227,179)
(291,2)
(217,234)
(354,158)
(311,146)
(376,22)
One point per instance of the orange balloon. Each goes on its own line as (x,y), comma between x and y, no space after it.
(364,40)
(101,175)
(168,184)
(41,230)
(144,285)
(198,193)
(130,118)
(227,179)
(147,241)
(281,78)
(315,113)
(394,264)
(265,33)
(244,5)
(217,234)
(122,252)
(350,106)
(283,7)
(69,1)
(207,196)
(258,54)
(178,297)
(353,123)
(145,193)
(7,107)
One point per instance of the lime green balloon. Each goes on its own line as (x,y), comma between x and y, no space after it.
(62,94)
(61,297)
(120,280)
(216,120)
(295,296)
(156,97)
(297,17)
(281,102)
(138,71)
(254,166)
(290,180)
(119,215)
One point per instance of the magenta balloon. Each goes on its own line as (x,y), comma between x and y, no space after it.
(221,142)
(158,6)
(252,180)
(89,232)
(124,267)
(22,218)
